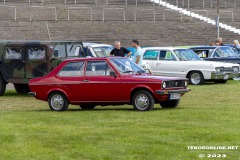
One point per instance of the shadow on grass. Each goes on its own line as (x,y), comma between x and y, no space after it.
(104,109)
(14,93)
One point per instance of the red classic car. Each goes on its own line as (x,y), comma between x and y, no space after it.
(89,82)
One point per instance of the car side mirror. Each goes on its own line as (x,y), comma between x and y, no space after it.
(113,74)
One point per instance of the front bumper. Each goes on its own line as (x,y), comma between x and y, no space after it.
(165,92)
(224,75)
(33,94)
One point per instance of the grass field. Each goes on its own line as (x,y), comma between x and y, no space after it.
(208,115)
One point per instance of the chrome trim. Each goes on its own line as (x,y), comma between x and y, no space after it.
(32,94)
(165,92)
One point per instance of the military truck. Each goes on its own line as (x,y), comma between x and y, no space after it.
(21,61)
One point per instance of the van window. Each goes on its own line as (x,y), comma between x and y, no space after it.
(13,53)
(59,51)
(36,52)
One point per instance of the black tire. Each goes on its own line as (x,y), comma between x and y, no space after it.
(61,102)
(87,106)
(145,96)
(169,104)
(221,81)
(2,86)
(22,88)
(196,78)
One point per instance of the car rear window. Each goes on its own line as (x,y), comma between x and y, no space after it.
(72,69)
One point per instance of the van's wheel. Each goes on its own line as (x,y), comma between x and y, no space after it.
(143,101)
(169,104)
(87,106)
(196,78)
(21,88)
(58,102)
(2,86)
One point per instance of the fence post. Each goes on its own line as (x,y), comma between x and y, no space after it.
(124,15)
(203,4)
(183,3)
(188,4)
(163,16)
(126,3)
(103,14)
(177,3)
(225,5)
(15,17)
(29,2)
(136,3)
(235,4)
(68,14)
(75,2)
(232,17)
(154,16)
(65,2)
(56,17)
(135,16)
(30,18)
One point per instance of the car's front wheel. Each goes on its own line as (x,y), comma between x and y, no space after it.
(170,103)
(87,106)
(143,101)
(58,102)
(196,78)
(22,88)
(2,86)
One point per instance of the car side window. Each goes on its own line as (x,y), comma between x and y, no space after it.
(13,53)
(36,53)
(166,56)
(150,55)
(202,53)
(72,69)
(98,68)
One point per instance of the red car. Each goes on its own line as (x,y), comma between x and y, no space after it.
(89,82)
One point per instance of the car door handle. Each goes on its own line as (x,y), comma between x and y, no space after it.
(85,80)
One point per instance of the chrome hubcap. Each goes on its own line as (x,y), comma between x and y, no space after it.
(142,101)
(195,78)
(57,102)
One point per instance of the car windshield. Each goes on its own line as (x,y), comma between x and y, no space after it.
(186,55)
(228,52)
(102,51)
(126,66)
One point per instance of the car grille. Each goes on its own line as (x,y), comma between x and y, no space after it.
(226,69)
(172,84)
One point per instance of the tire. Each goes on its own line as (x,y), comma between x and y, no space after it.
(196,78)
(58,102)
(170,103)
(87,106)
(138,101)
(2,86)
(221,81)
(21,88)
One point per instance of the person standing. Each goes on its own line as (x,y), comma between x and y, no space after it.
(236,47)
(138,55)
(120,51)
(220,40)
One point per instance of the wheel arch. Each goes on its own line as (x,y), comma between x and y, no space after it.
(57,91)
(136,89)
(189,72)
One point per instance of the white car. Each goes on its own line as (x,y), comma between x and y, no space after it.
(179,62)
(97,50)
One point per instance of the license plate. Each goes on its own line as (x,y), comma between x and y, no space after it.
(226,77)
(175,96)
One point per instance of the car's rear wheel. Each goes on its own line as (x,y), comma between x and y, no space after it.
(21,88)
(169,104)
(2,86)
(143,101)
(196,78)
(58,102)
(87,106)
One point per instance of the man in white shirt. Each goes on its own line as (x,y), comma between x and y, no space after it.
(138,55)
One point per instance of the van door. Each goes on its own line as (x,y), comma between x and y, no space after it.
(14,62)
(36,63)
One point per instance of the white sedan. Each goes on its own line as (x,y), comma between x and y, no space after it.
(179,62)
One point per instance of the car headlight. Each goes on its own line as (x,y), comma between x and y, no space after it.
(235,69)
(164,85)
(186,83)
(218,70)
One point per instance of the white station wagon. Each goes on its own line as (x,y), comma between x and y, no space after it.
(179,62)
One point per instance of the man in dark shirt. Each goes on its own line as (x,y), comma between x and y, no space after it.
(120,51)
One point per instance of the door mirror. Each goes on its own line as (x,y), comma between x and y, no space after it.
(113,74)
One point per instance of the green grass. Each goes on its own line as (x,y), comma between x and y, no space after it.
(208,115)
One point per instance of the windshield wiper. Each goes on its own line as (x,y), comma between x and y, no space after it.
(127,71)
